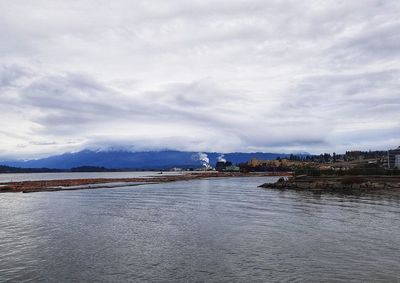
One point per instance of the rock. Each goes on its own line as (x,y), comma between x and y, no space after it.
(303,185)
(354,184)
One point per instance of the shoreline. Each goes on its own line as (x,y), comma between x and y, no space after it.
(353,184)
(97,183)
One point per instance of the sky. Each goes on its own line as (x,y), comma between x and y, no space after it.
(220,75)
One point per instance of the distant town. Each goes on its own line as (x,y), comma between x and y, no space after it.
(386,162)
(354,162)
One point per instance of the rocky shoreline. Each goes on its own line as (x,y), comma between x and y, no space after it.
(78,184)
(343,184)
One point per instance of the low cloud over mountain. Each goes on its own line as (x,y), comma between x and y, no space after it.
(275,76)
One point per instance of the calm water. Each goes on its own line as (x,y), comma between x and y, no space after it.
(219,230)
(77,175)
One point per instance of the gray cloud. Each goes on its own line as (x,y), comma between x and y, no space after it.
(10,75)
(209,75)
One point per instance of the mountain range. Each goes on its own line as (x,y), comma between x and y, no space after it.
(142,160)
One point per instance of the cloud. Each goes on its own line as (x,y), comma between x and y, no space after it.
(198,75)
(11,75)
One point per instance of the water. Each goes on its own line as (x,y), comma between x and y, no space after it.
(216,230)
(19,177)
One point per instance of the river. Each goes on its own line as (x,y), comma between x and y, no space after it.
(215,230)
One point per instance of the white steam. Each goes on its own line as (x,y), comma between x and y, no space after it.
(221,158)
(205,161)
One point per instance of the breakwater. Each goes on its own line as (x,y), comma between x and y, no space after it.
(96,183)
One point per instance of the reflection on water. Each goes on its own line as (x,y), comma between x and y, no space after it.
(224,230)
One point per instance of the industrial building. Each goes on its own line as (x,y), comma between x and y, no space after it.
(394,158)
(226,166)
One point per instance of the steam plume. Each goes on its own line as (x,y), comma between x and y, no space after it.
(205,161)
(221,158)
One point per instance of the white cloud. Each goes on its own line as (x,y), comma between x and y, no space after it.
(198,75)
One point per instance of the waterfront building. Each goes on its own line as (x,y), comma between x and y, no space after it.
(394,158)
(222,165)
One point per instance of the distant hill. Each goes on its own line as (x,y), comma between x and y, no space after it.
(143,160)
(91,169)
(9,169)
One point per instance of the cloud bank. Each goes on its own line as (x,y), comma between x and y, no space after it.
(282,76)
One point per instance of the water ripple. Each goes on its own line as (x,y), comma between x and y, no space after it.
(217,230)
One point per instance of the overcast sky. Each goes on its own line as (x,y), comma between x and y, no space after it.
(274,76)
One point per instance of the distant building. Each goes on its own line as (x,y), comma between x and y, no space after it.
(232,168)
(225,166)
(394,158)
(221,165)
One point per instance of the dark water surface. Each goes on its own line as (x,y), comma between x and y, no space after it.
(218,230)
